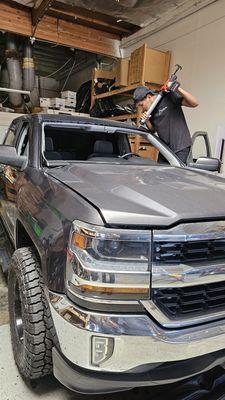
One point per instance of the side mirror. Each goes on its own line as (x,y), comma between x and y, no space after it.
(9,156)
(206,163)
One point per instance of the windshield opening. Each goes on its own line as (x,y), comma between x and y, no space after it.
(63,144)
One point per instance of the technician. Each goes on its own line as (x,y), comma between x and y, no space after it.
(168,119)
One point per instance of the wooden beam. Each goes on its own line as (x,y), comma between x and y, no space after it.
(39,12)
(77,15)
(93,18)
(19,21)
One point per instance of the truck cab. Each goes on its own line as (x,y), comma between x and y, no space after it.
(117,274)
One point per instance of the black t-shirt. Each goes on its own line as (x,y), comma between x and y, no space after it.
(169,122)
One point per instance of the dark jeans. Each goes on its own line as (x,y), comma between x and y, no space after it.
(182,155)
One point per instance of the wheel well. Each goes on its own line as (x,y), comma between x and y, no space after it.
(23,239)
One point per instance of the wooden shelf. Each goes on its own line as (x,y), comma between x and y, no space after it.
(139,73)
(125,89)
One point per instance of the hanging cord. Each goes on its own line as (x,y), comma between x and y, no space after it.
(55,72)
(68,76)
(59,69)
(5,100)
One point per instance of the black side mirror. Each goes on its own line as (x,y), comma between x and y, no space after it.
(9,156)
(206,163)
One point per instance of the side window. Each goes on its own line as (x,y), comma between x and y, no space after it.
(10,137)
(23,141)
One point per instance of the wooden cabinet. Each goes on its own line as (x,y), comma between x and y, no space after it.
(142,147)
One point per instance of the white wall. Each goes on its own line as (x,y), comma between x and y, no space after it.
(198,43)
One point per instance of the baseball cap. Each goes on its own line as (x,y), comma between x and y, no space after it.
(141,92)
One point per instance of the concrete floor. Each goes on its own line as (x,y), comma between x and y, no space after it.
(12,386)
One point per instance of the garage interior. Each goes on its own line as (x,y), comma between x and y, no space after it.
(87,58)
(102,48)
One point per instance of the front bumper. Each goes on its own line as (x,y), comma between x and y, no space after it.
(92,382)
(140,345)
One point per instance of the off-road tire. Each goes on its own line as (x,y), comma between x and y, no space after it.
(29,316)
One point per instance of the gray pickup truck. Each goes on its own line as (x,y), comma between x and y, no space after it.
(117,274)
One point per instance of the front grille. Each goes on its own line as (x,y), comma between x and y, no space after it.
(181,302)
(192,251)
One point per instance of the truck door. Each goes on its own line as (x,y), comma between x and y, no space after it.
(200,146)
(17,137)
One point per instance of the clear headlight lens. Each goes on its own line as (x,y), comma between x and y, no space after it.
(109,263)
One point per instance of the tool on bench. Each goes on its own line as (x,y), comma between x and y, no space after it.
(171,85)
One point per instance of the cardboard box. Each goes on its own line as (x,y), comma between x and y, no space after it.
(68,94)
(148,65)
(70,103)
(57,102)
(122,72)
(45,102)
(67,109)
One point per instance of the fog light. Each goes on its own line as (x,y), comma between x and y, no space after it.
(101,349)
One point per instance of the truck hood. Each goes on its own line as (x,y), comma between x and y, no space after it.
(145,195)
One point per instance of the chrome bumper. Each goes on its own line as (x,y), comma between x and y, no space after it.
(137,339)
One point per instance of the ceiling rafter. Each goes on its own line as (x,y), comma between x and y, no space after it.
(39,11)
(77,17)
(93,19)
(56,30)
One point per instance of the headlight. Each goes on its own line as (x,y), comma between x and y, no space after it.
(108,263)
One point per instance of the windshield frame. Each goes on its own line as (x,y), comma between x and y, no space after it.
(171,157)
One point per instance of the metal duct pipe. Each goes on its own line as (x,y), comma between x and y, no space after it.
(28,68)
(14,70)
(14,91)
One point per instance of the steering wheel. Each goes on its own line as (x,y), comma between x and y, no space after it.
(129,155)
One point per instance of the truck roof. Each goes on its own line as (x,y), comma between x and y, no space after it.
(79,119)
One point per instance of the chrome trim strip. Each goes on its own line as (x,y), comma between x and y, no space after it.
(113,324)
(183,275)
(137,339)
(191,232)
(110,276)
(166,322)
